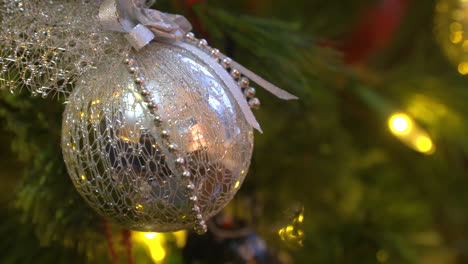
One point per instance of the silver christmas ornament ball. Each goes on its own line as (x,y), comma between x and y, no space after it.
(162,159)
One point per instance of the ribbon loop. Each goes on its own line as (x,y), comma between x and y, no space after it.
(140,36)
(166,26)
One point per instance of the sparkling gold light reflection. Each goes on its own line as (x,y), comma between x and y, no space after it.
(300,219)
(237,185)
(197,138)
(292,233)
(125,138)
(139,208)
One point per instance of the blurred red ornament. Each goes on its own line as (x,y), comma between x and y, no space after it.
(190,3)
(374,31)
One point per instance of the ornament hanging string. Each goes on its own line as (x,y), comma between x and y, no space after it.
(127,243)
(110,244)
(143,25)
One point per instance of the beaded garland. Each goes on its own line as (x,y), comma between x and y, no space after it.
(226,62)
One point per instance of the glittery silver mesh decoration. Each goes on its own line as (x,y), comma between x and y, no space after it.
(125,166)
(46,45)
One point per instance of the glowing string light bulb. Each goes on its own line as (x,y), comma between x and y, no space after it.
(405,129)
(400,124)
(424,144)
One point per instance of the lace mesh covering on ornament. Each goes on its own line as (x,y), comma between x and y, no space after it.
(127,168)
(45,46)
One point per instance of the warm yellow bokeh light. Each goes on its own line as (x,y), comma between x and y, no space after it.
(463,68)
(181,238)
(150,235)
(155,242)
(158,253)
(424,144)
(400,124)
(465,46)
(410,133)
(300,219)
(456,37)
(382,256)
(456,27)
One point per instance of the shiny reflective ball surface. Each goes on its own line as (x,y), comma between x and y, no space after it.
(120,161)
